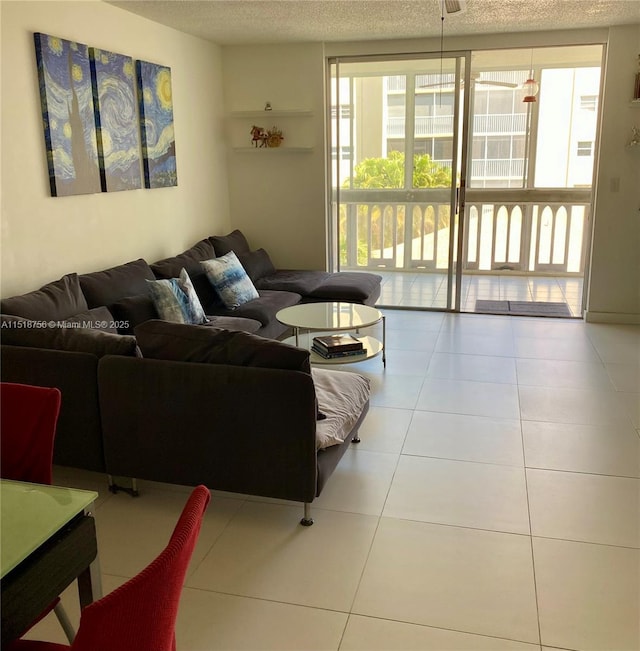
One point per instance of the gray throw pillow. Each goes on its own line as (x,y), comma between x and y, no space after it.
(98,318)
(132,311)
(234,241)
(52,302)
(21,332)
(111,285)
(257,264)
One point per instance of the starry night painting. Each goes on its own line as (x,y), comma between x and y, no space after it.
(68,117)
(116,120)
(156,125)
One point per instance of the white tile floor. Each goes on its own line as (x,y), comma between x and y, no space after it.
(493,503)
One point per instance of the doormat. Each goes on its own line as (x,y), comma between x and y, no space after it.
(523,308)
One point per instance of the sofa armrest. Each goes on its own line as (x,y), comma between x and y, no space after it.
(232,428)
(78,441)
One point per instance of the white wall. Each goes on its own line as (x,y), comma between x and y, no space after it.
(278,198)
(44,237)
(615,258)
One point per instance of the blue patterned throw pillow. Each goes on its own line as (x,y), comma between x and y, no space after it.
(176,300)
(230,280)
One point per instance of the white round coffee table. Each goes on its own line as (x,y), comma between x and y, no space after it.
(333,317)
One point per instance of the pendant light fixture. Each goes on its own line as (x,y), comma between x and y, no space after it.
(531,86)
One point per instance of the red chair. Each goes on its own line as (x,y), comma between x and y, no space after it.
(28,418)
(141,614)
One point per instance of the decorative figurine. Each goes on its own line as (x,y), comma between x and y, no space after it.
(259,136)
(262,138)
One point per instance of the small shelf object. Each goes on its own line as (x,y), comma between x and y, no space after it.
(292,133)
(635,138)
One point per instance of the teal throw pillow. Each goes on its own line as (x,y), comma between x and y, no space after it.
(230,280)
(175,300)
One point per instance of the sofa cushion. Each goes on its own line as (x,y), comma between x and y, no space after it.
(301,282)
(97,318)
(111,285)
(54,301)
(190,260)
(204,344)
(257,264)
(180,342)
(349,286)
(234,241)
(80,340)
(233,323)
(176,300)
(132,311)
(263,308)
(230,280)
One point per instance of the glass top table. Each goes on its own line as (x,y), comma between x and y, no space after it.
(332,317)
(48,540)
(31,513)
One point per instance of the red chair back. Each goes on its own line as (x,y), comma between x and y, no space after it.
(28,417)
(141,614)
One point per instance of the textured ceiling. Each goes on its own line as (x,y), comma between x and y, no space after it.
(277,21)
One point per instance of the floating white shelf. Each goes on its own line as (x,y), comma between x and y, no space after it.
(293,113)
(284,149)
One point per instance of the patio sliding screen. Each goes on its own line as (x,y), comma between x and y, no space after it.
(395,164)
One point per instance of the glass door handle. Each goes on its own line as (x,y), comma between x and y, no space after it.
(460,199)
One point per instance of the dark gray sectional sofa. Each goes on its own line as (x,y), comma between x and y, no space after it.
(242,422)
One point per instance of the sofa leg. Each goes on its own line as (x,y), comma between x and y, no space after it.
(356,438)
(307,520)
(116,488)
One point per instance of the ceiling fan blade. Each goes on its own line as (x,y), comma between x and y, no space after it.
(443,84)
(504,84)
(501,84)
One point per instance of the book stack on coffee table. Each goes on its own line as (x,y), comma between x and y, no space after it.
(338,345)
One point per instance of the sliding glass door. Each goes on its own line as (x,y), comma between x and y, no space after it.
(456,186)
(397,161)
(531,166)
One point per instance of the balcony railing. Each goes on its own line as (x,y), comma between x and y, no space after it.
(510,123)
(519,230)
(492,168)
